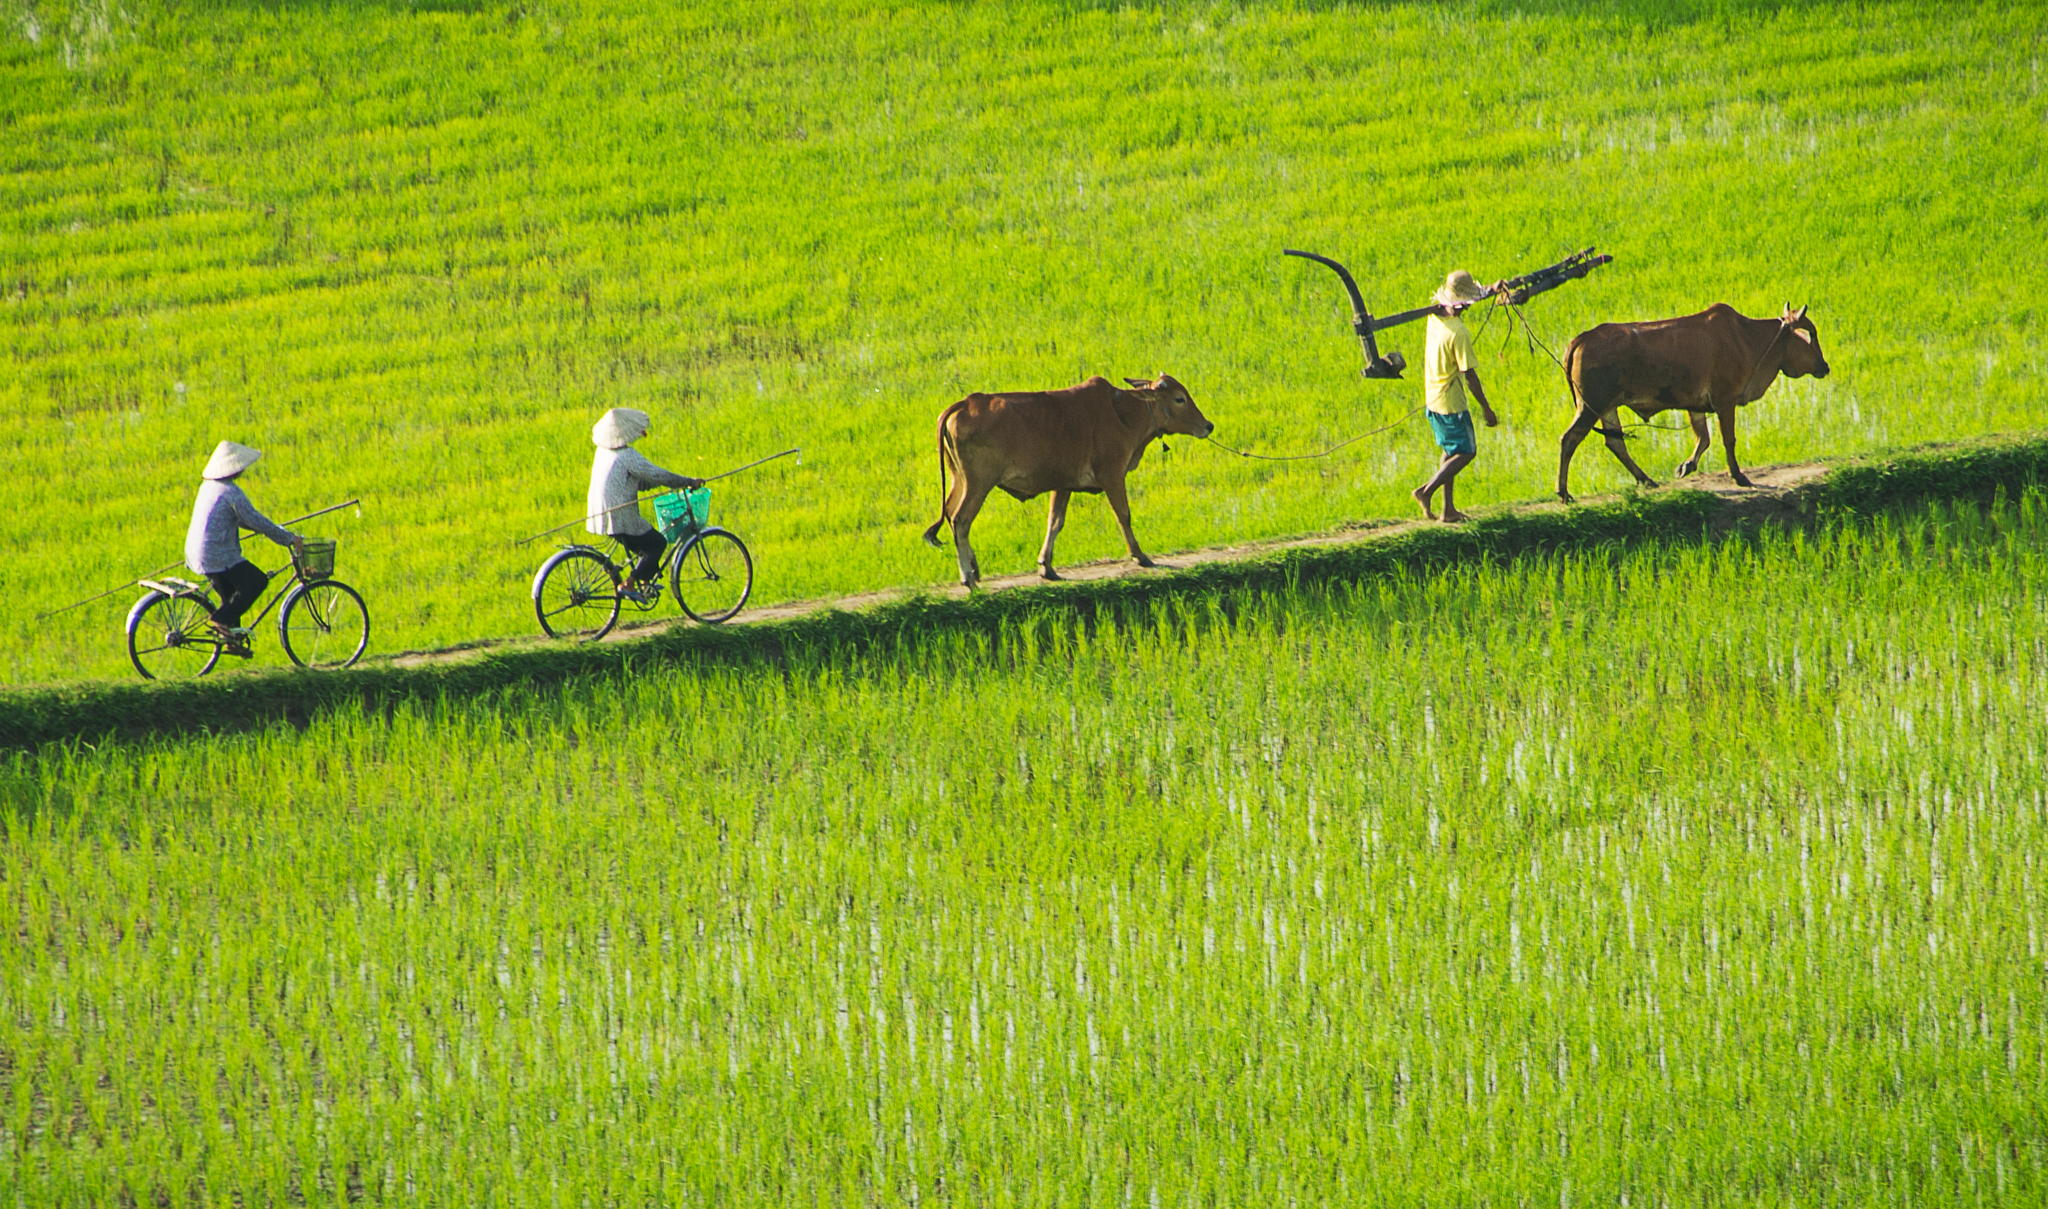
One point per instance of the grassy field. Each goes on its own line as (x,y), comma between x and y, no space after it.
(1693,875)
(413,250)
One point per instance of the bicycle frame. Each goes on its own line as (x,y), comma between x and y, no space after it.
(620,560)
(275,592)
(276,596)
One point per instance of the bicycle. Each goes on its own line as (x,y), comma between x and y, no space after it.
(579,591)
(322,623)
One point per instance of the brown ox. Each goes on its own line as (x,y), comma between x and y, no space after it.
(1083,438)
(1715,361)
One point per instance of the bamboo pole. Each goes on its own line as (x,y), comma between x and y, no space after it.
(179,563)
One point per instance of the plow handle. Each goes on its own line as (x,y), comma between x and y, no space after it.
(1362,321)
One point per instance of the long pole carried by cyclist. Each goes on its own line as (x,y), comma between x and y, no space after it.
(172,566)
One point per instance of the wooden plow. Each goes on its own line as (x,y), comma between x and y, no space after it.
(1514,292)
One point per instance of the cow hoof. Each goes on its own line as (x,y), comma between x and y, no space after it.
(1684,470)
(1742,480)
(1048,573)
(1646,482)
(1145,562)
(1565,497)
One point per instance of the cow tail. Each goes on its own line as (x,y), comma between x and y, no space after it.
(1571,374)
(931,535)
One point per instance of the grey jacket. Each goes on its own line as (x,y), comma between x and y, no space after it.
(617,476)
(222,511)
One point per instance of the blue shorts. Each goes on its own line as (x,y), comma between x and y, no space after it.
(1454,433)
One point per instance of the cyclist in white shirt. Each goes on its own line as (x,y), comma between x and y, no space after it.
(618,474)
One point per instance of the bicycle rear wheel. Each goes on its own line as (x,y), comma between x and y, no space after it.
(711,576)
(324,625)
(576,595)
(171,637)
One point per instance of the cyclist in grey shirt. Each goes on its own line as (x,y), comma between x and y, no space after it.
(213,544)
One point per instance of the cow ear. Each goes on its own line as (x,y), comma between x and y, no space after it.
(1138,382)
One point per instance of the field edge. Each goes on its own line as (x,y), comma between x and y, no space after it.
(1979,470)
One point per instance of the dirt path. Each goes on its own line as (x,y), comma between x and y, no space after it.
(1771,495)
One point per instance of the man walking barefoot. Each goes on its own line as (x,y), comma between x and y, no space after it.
(1446,369)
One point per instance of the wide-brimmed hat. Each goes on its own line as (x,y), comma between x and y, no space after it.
(1459,289)
(229,460)
(618,428)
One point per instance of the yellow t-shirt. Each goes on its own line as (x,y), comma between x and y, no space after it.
(1446,354)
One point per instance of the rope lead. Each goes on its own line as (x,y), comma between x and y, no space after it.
(1298,457)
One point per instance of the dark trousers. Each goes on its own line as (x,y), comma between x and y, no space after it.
(649,547)
(239,587)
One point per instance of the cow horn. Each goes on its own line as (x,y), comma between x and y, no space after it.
(1800,315)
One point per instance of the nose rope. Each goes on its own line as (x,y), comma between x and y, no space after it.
(1784,326)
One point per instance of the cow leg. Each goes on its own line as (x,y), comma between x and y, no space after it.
(1055,520)
(1567,445)
(963,522)
(1698,419)
(1119,503)
(1618,446)
(1728,444)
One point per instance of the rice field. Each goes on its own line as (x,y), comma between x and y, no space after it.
(411,250)
(1691,875)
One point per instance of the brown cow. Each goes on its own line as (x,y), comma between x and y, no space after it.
(1715,361)
(1083,438)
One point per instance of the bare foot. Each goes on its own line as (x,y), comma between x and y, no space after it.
(1452,516)
(1422,497)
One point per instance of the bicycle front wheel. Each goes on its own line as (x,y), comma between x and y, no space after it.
(711,575)
(171,637)
(576,595)
(324,625)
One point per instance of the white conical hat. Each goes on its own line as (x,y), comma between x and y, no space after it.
(228,460)
(618,428)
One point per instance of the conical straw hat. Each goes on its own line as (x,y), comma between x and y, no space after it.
(618,428)
(229,460)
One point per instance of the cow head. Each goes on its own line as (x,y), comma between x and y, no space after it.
(1803,358)
(1178,411)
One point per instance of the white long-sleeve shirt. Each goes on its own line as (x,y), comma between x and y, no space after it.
(617,476)
(213,543)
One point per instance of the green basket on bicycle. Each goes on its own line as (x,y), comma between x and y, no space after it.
(316,558)
(681,513)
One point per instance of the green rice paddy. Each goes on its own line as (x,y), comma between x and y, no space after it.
(1695,875)
(412,250)
(1670,874)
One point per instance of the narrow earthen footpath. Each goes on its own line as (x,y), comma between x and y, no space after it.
(1771,497)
